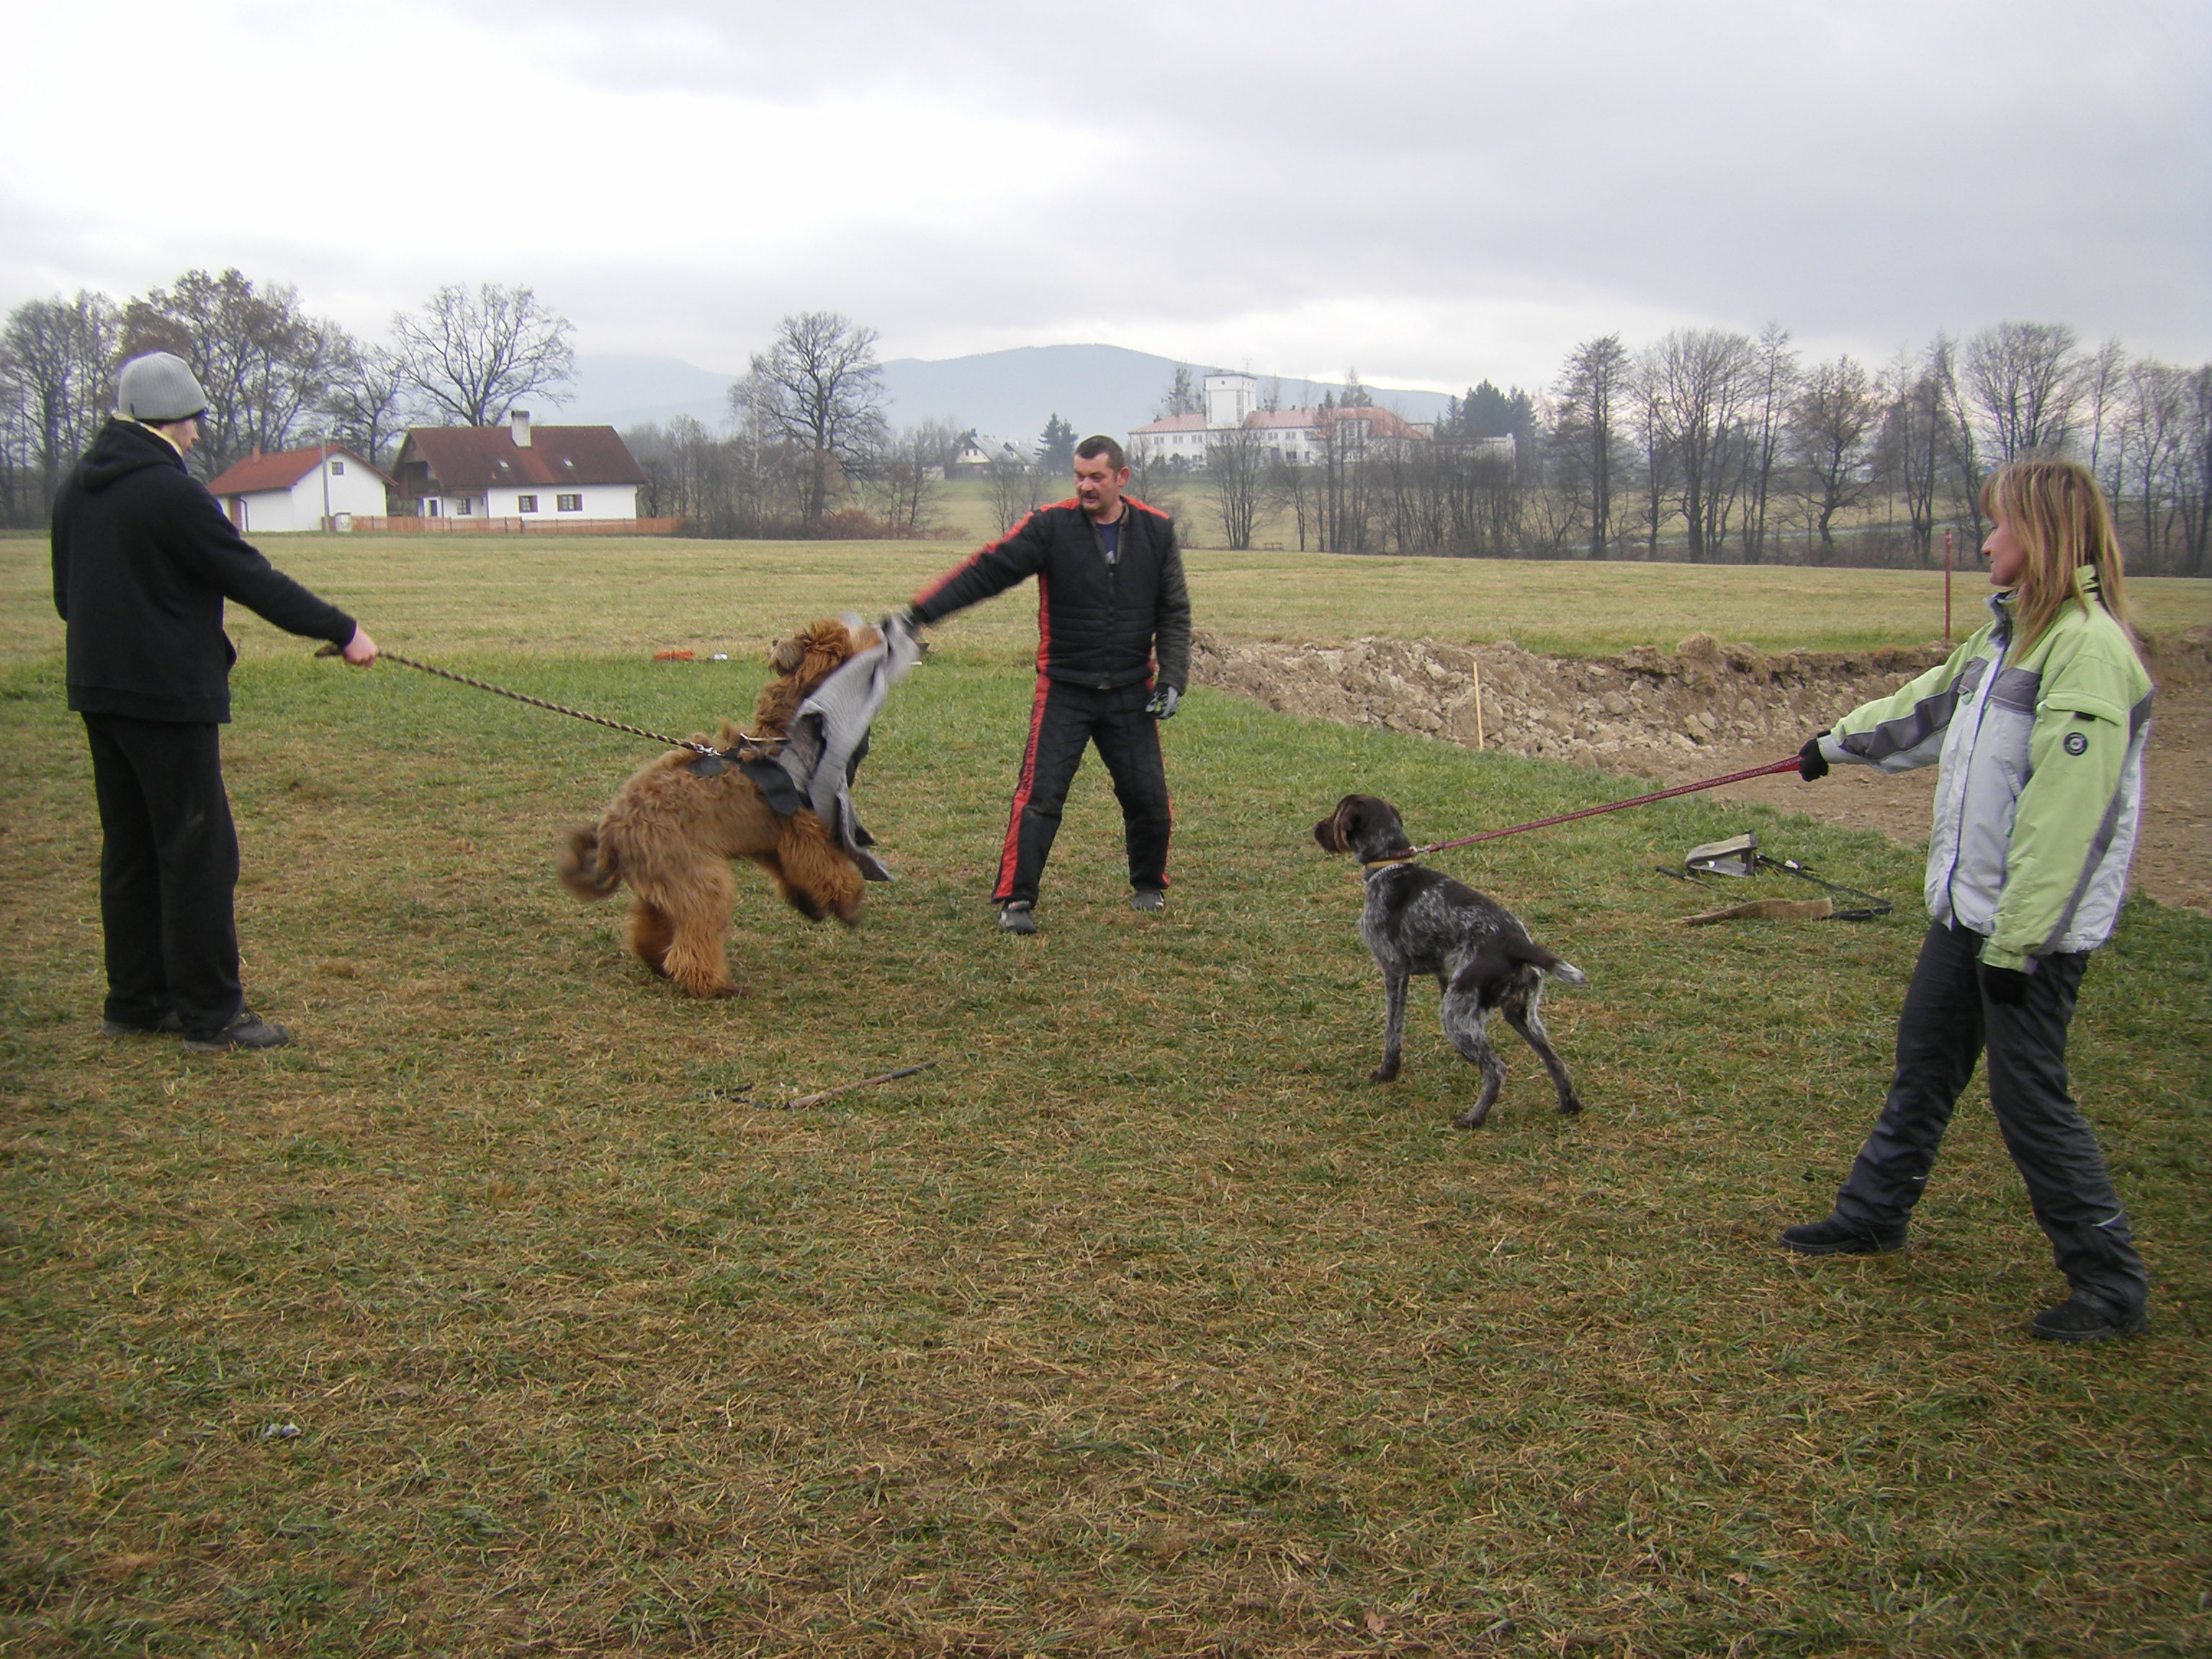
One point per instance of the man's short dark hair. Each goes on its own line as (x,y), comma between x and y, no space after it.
(1099,444)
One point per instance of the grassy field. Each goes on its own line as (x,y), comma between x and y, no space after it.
(500,1315)
(533,595)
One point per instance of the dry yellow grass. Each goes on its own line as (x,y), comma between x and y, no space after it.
(1142,1325)
(426,595)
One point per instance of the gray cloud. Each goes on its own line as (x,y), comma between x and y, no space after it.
(1434,192)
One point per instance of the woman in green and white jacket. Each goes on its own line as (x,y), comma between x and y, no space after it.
(2038,722)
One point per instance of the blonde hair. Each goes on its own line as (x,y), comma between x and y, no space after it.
(2058,515)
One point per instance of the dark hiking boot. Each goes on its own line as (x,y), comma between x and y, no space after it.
(2085,1319)
(1017,917)
(246,1029)
(1834,1237)
(1148,898)
(167,1025)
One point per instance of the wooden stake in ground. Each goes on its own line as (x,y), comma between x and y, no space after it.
(1819,909)
(1478,702)
(848,1088)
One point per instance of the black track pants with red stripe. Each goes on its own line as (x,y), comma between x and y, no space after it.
(1063,720)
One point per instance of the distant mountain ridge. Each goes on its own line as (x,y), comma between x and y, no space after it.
(1002,394)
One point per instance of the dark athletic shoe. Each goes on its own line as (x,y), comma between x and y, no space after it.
(1834,1237)
(2082,1319)
(1018,917)
(1148,898)
(247,1030)
(167,1025)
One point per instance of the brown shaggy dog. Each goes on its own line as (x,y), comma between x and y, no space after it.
(670,833)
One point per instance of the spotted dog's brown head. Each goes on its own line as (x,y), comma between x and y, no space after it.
(1366,826)
(802,662)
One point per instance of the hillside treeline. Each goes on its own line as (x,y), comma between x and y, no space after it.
(1712,445)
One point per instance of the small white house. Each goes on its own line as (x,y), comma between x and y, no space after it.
(300,489)
(544,475)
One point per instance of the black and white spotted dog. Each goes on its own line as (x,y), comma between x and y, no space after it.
(1418,921)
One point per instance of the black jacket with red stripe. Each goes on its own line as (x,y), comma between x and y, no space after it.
(1098,624)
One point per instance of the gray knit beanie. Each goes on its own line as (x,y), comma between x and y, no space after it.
(159,386)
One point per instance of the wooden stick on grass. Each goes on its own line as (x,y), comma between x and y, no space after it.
(848,1088)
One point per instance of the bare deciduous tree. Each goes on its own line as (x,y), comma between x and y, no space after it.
(1701,377)
(57,375)
(1832,428)
(2023,379)
(1016,487)
(1586,433)
(365,405)
(474,356)
(1774,374)
(905,478)
(820,389)
(1236,462)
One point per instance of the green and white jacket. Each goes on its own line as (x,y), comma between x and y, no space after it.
(2041,791)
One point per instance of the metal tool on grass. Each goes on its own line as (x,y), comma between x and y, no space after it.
(1738,857)
(764,745)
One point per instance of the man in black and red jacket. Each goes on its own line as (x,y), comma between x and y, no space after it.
(1113,660)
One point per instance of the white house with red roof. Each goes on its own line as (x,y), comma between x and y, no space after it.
(300,489)
(1295,437)
(544,475)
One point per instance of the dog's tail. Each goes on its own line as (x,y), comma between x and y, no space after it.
(589,868)
(1557,966)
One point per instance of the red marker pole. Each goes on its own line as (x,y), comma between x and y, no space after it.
(1946,587)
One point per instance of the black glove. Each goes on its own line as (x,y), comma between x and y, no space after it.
(1812,764)
(1162,705)
(2006,987)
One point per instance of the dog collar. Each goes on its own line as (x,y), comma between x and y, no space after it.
(1370,868)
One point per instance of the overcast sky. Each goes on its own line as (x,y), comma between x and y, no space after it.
(1431,193)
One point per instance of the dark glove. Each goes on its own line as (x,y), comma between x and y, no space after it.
(1162,705)
(904,622)
(1812,764)
(2006,987)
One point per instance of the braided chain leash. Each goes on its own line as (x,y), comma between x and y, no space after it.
(562,708)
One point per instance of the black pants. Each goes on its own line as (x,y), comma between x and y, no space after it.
(1063,720)
(168,865)
(1945,1026)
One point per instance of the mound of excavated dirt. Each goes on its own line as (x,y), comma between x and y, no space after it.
(1630,713)
(1707,709)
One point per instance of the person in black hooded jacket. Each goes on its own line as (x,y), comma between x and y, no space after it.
(1113,660)
(143,560)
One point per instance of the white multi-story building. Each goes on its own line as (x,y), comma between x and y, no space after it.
(1294,437)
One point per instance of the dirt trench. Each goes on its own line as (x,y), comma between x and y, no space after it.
(1706,708)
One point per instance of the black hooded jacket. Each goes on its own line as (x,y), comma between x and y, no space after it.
(1097,624)
(143,560)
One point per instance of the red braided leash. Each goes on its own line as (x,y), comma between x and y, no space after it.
(1790,765)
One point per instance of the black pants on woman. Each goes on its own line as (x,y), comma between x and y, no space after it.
(168,866)
(1946,1026)
(1064,720)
